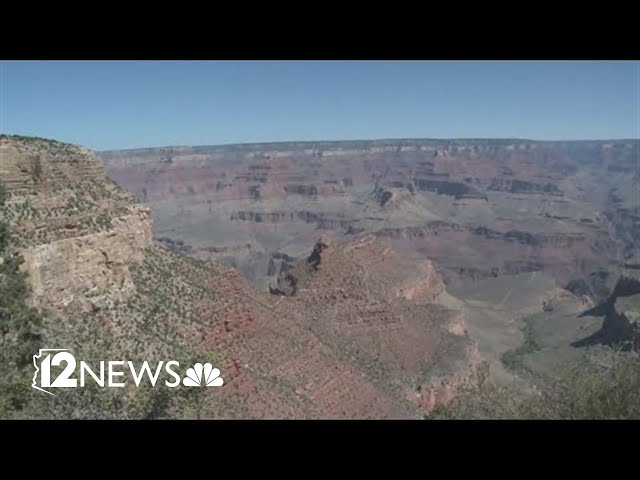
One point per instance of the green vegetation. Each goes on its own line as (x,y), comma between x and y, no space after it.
(514,358)
(26,138)
(19,325)
(584,391)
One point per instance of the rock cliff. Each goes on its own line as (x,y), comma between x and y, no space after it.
(79,233)
(357,333)
(620,313)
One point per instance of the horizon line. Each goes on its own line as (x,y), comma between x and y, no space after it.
(370,140)
(317,142)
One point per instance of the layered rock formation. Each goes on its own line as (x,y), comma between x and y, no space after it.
(380,311)
(478,208)
(356,332)
(80,234)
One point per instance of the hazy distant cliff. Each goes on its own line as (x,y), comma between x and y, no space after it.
(479,208)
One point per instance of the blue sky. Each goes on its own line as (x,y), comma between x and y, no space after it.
(109,105)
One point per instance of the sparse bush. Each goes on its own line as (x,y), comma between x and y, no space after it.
(19,325)
(584,391)
(513,358)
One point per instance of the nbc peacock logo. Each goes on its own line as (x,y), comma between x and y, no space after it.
(201,374)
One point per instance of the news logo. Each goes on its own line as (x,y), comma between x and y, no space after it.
(113,373)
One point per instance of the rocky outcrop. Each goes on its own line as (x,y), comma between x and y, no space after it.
(76,275)
(80,234)
(384,196)
(313,260)
(32,164)
(382,312)
(426,288)
(621,315)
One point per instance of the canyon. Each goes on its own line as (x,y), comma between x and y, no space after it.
(360,279)
(364,335)
(477,208)
(497,218)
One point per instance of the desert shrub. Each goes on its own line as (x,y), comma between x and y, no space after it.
(19,325)
(513,358)
(585,390)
